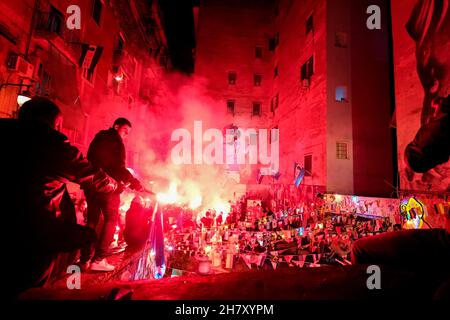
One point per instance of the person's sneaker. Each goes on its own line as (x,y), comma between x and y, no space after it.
(102,265)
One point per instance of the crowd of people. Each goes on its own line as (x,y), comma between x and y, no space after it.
(294,229)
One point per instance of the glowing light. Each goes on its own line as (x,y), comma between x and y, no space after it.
(125,201)
(118,77)
(196,202)
(170,197)
(222,207)
(21,99)
(355,199)
(338,198)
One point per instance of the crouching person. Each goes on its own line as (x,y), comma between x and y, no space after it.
(37,161)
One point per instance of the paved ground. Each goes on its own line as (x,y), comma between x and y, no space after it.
(284,284)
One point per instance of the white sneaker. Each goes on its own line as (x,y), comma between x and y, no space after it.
(102,265)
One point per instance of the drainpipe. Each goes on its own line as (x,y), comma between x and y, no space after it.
(33,22)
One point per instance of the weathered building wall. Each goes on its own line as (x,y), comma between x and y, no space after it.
(301,115)
(228,34)
(371,89)
(340,175)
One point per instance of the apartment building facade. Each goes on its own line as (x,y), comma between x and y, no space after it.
(110,67)
(327,85)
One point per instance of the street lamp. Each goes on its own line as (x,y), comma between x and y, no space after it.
(119,77)
(22,98)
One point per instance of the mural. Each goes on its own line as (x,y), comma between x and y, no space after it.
(423,131)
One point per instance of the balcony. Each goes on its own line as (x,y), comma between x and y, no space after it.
(122,59)
(51,26)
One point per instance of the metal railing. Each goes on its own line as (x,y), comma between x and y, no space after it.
(52,26)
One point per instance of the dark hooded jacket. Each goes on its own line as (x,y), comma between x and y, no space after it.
(107,152)
(36,162)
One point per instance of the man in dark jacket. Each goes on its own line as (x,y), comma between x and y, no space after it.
(37,161)
(107,152)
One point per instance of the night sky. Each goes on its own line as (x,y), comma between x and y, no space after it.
(180,31)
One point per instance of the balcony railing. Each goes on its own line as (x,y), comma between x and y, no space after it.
(52,26)
(123,59)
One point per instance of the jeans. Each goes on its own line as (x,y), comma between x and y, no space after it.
(411,249)
(108,205)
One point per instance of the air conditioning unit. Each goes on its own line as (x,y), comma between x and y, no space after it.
(20,65)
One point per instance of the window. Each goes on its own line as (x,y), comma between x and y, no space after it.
(256,109)
(257,80)
(97,7)
(231,106)
(43,85)
(120,44)
(88,75)
(341,94)
(232,78)
(163,61)
(275,72)
(309,25)
(308,165)
(258,52)
(341,40)
(274,103)
(274,42)
(307,69)
(55,21)
(342,151)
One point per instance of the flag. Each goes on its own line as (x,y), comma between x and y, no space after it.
(246,258)
(299,177)
(274,265)
(157,246)
(260,260)
(151,262)
(90,55)
(302,260)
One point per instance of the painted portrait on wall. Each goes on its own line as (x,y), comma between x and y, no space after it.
(423,130)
